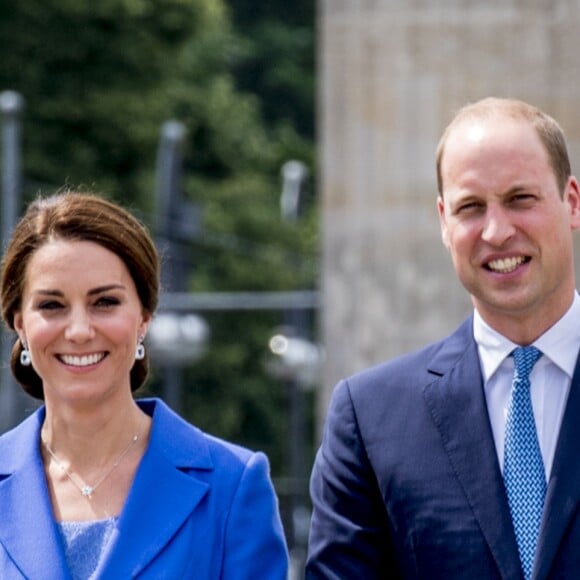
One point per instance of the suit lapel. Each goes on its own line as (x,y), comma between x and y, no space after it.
(563,494)
(37,552)
(164,494)
(457,403)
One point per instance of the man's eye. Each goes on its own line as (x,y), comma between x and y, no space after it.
(522,197)
(470,206)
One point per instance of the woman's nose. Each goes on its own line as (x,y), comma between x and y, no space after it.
(79,327)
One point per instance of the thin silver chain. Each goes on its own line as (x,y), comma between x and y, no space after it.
(88,490)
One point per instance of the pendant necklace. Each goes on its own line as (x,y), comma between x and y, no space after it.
(88,490)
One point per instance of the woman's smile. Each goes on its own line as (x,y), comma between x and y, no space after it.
(82,360)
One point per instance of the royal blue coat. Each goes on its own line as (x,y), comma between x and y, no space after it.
(199,508)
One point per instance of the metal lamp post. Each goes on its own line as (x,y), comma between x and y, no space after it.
(298,362)
(177,222)
(294,358)
(12,400)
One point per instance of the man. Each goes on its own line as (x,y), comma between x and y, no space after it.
(433,465)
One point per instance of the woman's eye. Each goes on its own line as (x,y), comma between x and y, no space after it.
(107,301)
(49,305)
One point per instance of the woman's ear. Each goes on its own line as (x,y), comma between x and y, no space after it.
(144,327)
(18,327)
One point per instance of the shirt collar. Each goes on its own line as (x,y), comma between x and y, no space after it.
(559,343)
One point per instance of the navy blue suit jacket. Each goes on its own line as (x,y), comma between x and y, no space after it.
(407,484)
(199,508)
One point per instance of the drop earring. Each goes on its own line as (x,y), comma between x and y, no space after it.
(24,355)
(140,350)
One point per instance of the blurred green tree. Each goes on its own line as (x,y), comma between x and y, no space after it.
(99,79)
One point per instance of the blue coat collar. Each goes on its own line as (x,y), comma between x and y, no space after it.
(164,494)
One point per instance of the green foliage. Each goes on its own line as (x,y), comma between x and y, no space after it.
(100,78)
(279,58)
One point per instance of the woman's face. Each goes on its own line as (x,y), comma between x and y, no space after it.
(81,319)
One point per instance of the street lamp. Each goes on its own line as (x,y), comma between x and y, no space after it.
(297,362)
(293,358)
(13,402)
(177,339)
(294,174)
(176,224)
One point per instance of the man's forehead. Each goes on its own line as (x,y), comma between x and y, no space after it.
(493,130)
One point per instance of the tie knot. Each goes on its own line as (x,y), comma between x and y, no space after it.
(525,358)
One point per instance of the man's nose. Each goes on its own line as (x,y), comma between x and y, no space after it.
(497,227)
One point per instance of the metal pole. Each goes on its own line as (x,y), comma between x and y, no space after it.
(294,174)
(167,216)
(12,401)
(195,301)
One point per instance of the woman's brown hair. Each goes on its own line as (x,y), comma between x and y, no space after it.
(83,217)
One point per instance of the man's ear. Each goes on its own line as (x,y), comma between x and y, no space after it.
(572,198)
(443,221)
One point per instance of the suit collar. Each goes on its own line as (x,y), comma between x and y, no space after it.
(456,400)
(563,494)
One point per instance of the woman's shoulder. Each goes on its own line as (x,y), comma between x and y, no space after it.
(189,443)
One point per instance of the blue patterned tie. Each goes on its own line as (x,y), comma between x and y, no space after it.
(524,476)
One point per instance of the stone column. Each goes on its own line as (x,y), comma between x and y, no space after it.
(392,73)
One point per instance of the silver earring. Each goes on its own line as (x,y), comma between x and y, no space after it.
(140,350)
(25,356)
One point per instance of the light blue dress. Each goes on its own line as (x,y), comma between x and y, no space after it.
(86,545)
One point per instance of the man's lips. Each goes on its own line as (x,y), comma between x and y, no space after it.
(506,265)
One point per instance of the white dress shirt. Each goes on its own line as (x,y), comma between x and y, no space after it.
(550,378)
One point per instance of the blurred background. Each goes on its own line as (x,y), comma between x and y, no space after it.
(197,115)
(282,155)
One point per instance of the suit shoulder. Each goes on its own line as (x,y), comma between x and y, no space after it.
(414,369)
(409,365)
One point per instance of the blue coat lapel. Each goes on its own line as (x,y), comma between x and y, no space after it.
(164,493)
(34,544)
(457,404)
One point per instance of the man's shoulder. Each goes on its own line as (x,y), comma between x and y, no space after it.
(414,368)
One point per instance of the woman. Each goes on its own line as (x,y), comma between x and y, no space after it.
(96,484)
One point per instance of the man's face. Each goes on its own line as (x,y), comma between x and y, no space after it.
(508,229)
